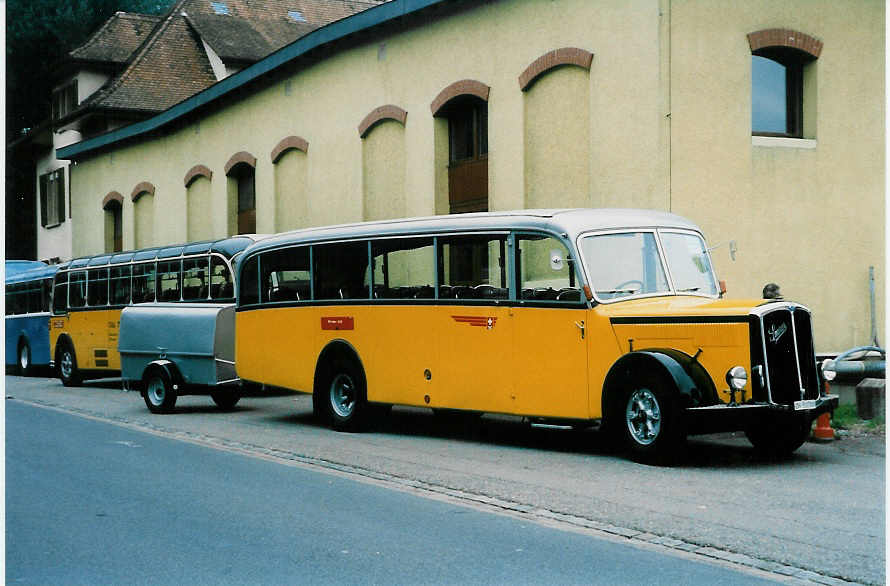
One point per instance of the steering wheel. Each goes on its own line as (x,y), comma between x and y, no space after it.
(624,285)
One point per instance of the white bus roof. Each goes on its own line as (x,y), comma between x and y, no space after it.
(571,222)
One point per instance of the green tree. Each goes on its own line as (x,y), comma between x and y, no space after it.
(39,34)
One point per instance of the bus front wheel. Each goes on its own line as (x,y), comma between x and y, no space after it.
(342,396)
(647,421)
(68,372)
(159,395)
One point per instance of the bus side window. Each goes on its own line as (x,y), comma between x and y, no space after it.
(404,268)
(168,280)
(120,285)
(194,278)
(249,285)
(77,289)
(60,294)
(97,287)
(46,287)
(285,275)
(14,299)
(144,283)
(473,267)
(340,270)
(544,270)
(221,286)
(35,302)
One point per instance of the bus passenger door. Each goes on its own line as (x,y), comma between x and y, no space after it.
(475,349)
(550,362)
(550,338)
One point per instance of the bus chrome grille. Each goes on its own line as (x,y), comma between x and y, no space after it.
(782,345)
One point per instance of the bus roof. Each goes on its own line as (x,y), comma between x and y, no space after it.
(228,247)
(560,221)
(36,272)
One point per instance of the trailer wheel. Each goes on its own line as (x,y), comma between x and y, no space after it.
(225,400)
(159,395)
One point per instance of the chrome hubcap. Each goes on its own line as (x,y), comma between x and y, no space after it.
(67,364)
(156,391)
(342,395)
(24,357)
(643,416)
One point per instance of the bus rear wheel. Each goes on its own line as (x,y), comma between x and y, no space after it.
(159,395)
(342,396)
(24,358)
(68,371)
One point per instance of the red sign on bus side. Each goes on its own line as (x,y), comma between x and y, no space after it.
(338,323)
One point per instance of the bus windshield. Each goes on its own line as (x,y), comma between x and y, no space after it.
(631,264)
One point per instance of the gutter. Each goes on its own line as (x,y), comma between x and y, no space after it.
(362,21)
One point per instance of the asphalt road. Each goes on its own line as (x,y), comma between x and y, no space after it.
(93,503)
(817,517)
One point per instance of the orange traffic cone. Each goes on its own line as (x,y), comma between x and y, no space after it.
(823,431)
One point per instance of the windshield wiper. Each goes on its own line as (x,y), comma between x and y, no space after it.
(689,290)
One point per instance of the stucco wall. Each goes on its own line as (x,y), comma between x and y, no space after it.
(807,215)
(664,123)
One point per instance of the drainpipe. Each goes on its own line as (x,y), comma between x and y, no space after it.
(871,294)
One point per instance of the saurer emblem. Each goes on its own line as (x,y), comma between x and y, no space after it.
(775,332)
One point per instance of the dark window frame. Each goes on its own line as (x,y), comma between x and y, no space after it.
(794,62)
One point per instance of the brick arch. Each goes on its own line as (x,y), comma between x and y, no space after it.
(783,37)
(195,172)
(240,157)
(291,142)
(142,188)
(552,60)
(459,88)
(112,197)
(388,112)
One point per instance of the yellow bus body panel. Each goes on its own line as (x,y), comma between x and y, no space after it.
(94,334)
(534,361)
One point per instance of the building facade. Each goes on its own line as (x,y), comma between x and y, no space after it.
(761,121)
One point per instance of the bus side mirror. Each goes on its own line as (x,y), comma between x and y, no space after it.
(722,288)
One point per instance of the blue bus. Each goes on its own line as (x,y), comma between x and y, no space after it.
(29,287)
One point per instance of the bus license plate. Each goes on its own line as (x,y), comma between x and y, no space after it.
(808,404)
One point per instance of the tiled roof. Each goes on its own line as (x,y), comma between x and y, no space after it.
(172,65)
(116,40)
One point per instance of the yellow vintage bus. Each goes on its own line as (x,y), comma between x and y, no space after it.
(576,317)
(89,294)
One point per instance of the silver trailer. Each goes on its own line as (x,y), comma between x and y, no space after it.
(173,349)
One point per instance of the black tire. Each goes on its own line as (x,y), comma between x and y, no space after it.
(646,421)
(68,371)
(158,392)
(340,396)
(225,400)
(779,435)
(24,366)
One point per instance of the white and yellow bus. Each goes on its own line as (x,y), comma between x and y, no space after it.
(577,317)
(89,294)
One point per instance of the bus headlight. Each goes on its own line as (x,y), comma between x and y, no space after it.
(737,378)
(828,370)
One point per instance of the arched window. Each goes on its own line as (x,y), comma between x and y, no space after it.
(465,105)
(783,92)
(242,193)
(114,237)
